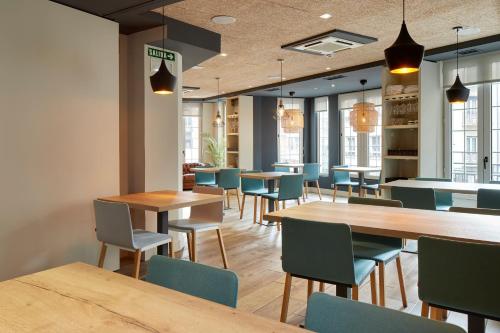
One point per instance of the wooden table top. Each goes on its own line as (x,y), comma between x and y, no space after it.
(289,165)
(357,169)
(83,298)
(398,222)
(465,188)
(206,170)
(162,201)
(266,175)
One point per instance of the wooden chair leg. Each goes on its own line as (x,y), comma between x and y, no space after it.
(310,287)
(436,313)
(242,205)
(283,204)
(193,246)
(304,191)
(222,248)
(355,292)
(334,192)
(298,202)
(445,314)
(401,281)
(171,249)
(373,287)
(190,246)
(425,310)
(381,283)
(102,255)
(238,198)
(286,297)
(276,205)
(254,209)
(262,209)
(137,263)
(307,190)
(349,190)
(319,190)
(322,287)
(227,199)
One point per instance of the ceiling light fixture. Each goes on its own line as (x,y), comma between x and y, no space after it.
(223,19)
(457,94)
(218,118)
(405,55)
(328,68)
(197,67)
(293,119)
(363,117)
(281,108)
(163,82)
(333,85)
(326,16)
(223,54)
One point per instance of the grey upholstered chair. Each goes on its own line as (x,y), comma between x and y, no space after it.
(114,227)
(484,211)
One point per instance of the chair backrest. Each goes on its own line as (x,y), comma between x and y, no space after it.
(442,198)
(204,177)
(290,187)
(212,212)
(412,197)
(213,284)
(311,171)
(248,184)
(340,176)
(327,313)
(359,237)
(487,198)
(318,250)
(229,178)
(459,275)
(484,211)
(113,224)
(281,169)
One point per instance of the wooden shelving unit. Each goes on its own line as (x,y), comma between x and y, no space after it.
(239,132)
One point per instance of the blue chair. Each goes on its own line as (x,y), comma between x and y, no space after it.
(342,178)
(311,174)
(204,179)
(330,314)
(444,200)
(281,169)
(375,187)
(380,249)
(487,198)
(252,187)
(459,276)
(229,179)
(210,283)
(290,189)
(322,252)
(484,211)
(412,197)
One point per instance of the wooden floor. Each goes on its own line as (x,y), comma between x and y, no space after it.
(254,254)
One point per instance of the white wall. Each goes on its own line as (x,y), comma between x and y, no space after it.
(58,132)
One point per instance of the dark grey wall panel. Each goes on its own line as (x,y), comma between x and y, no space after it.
(265,138)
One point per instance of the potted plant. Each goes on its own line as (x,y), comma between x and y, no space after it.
(215,151)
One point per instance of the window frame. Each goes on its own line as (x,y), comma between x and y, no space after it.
(198,115)
(287,103)
(319,149)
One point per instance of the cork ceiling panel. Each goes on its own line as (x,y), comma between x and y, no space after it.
(253,42)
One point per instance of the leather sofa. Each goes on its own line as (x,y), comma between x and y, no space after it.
(188,175)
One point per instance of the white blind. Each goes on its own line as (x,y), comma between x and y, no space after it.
(472,69)
(321,104)
(191,109)
(346,101)
(298,103)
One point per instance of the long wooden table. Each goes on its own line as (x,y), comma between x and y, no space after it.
(455,187)
(401,223)
(83,298)
(163,201)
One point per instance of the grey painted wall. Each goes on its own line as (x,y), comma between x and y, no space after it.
(265,137)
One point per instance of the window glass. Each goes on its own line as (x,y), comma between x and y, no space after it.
(321,109)
(192,130)
(290,144)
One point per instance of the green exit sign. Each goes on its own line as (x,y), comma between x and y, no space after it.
(155,53)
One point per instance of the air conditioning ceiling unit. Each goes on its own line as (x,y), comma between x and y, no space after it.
(329,43)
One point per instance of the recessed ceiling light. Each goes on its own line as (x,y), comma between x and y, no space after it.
(328,68)
(326,16)
(333,86)
(315,88)
(469,31)
(250,86)
(223,19)
(198,67)
(223,54)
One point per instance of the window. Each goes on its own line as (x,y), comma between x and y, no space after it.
(192,130)
(362,149)
(290,144)
(321,109)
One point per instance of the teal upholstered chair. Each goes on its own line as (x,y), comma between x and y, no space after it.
(322,252)
(332,314)
(484,211)
(281,169)
(213,284)
(412,197)
(380,249)
(444,200)
(252,187)
(311,174)
(229,179)
(204,179)
(290,189)
(459,276)
(375,187)
(342,178)
(487,198)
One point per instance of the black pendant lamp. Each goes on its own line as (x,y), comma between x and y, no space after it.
(163,82)
(218,118)
(457,94)
(281,108)
(405,55)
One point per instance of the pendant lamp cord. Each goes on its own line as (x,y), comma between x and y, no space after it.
(403,10)
(457,50)
(281,80)
(163,27)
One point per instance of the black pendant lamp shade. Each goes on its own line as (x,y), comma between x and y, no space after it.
(163,82)
(405,55)
(457,94)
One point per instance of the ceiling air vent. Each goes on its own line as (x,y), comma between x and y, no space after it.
(328,43)
(272,89)
(468,52)
(335,77)
(187,89)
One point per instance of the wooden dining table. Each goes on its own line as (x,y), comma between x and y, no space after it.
(454,187)
(361,171)
(162,202)
(294,166)
(83,298)
(401,223)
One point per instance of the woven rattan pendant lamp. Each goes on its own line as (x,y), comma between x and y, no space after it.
(293,119)
(363,117)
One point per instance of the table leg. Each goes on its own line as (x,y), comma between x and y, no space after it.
(475,324)
(343,291)
(361,182)
(162,227)
(270,189)
(295,170)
